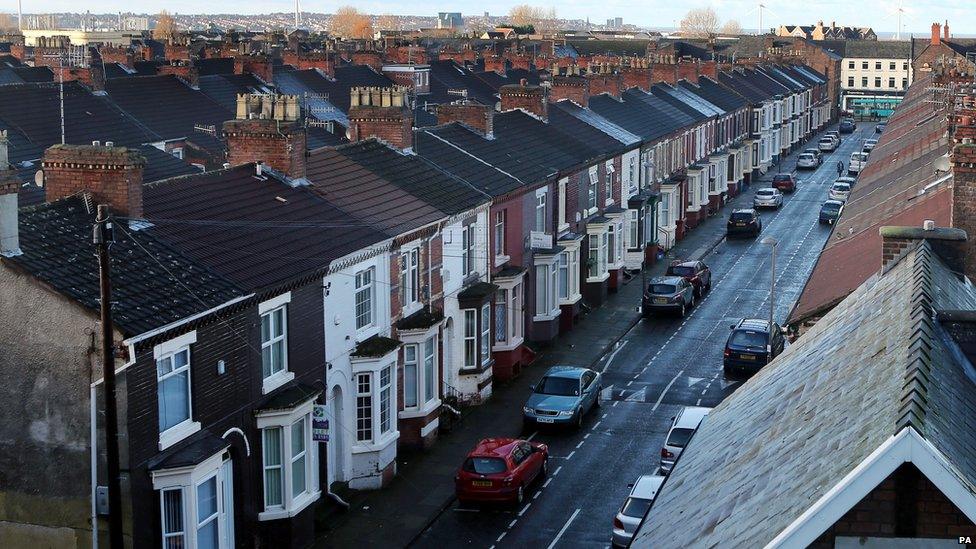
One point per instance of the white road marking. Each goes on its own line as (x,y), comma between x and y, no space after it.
(614,355)
(615,404)
(605,416)
(587,435)
(638,396)
(499,538)
(556,472)
(629,383)
(644,369)
(578,445)
(546,483)
(532,436)
(698,403)
(570,456)
(636,376)
(510,524)
(563,530)
(665,391)
(537,494)
(704,390)
(524,509)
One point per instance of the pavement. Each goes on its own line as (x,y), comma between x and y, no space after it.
(651,366)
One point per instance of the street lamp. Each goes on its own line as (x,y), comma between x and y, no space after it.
(771,242)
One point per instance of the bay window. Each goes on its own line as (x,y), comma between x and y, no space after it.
(468,259)
(419,373)
(633,233)
(385,401)
(547,286)
(508,312)
(593,260)
(196,503)
(665,209)
(501,316)
(569,275)
(608,191)
(430,368)
(410,381)
(561,216)
(365,298)
(470,338)
(174,533)
(289,460)
(598,242)
(364,408)
(612,239)
(563,275)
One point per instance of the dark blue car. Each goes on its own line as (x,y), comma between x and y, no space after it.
(749,347)
(563,397)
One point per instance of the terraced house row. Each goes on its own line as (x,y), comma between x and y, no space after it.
(378,278)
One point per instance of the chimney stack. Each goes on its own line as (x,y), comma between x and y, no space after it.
(113,175)
(950,243)
(523,96)
(945,30)
(963,162)
(266,130)
(383,113)
(474,115)
(936,31)
(575,88)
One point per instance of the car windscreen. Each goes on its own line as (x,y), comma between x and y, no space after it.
(682,270)
(679,437)
(831,208)
(843,187)
(781,177)
(741,216)
(806,156)
(559,386)
(666,289)
(748,338)
(766,193)
(485,465)
(827,141)
(861,157)
(636,507)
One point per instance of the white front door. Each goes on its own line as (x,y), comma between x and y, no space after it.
(227,513)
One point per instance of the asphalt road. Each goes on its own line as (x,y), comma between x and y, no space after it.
(662,364)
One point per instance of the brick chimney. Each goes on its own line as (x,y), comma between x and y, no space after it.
(688,69)
(601,82)
(322,61)
(963,165)
(495,64)
(936,30)
(258,65)
(572,87)
(523,96)
(637,74)
(383,113)
(266,130)
(950,243)
(9,189)
(113,175)
(370,58)
(184,70)
(945,30)
(474,115)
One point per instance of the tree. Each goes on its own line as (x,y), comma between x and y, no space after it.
(699,23)
(388,22)
(349,23)
(166,28)
(731,28)
(521,15)
(541,20)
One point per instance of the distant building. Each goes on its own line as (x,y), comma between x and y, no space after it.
(874,74)
(449,20)
(616,23)
(822,32)
(133,23)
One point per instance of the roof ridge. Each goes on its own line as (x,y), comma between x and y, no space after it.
(913,401)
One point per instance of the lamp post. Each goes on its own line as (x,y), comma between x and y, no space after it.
(771,242)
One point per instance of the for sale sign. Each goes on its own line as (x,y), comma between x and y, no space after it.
(320,424)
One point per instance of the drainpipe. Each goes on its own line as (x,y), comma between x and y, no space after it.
(94,465)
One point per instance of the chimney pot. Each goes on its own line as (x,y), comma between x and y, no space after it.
(523,82)
(258,167)
(96,143)
(928,224)
(109,143)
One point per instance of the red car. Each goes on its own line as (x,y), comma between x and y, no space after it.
(695,272)
(500,470)
(785,182)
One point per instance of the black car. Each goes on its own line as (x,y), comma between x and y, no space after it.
(749,348)
(830,211)
(847,127)
(880,127)
(695,272)
(744,222)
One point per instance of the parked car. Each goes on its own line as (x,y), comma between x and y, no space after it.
(682,428)
(830,211)
(767,198)
(847,179)
(744,222)
(827,144)
(807,161)
(642,494)
(668,293)
(748,347)
(835,135)
(816,153)
(850,120)
(846,127)
(857,163)
(785,182)
(880,127)
(500,470)
(840,192)
(563,396)
(869,145)
(695,272)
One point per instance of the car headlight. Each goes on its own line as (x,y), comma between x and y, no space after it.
(566,413)
(526,409)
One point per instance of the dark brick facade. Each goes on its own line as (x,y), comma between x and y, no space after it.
(574,88)
(112,174)
(474,115)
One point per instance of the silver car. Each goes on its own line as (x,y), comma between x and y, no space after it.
(808,161)
(767,198)
(683,426)
(839,191)
(827,144)
(641,497)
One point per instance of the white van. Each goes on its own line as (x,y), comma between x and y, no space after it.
(858,161)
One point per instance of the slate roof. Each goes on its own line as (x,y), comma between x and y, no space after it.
(872,367)
(637,117)
(20,75)
(448,75)
(898,186)
(31,114)
(869,49)
(736,80)
(435,145)
(257,232)
(545,144)
(169,107)
(214,65)
(715,93)
(57,249)
(560,111)
(346,78)
(223,88)
(117,70)
(193,451)
(613,47)
(316,94)
(162,165)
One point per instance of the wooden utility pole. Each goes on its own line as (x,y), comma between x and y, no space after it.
(102,237)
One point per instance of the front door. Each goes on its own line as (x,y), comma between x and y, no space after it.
(227,512)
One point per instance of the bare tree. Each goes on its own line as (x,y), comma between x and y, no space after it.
(731,28)
(546,22)
(521,15)
(388,22)
(166,28)
(348,22)
(699,23)
(543,20)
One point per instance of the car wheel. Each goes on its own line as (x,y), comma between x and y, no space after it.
(693,299)
(596,401)
(708,287)
(682,312)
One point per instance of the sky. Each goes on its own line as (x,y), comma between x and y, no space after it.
(878,14)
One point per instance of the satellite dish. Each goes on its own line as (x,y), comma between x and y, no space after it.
(39,178)
(942,163)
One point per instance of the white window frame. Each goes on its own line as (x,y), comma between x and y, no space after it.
(592,191)
(267,309)
(514,318)
(410,280)
(633,229)
(185,480)
(484,343)
(501,256)
(469,336)
(561,220)
(546,288)
(358,381)
(168,349)
(370,290)
(292,504)
(408,365)
(608,184)
(386,400)
(468,256)
(541,204)
(598,234)
(572,254)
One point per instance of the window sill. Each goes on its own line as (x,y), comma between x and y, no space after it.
(510,345)
(597,279)
(422,411)
(277,380)
(546,318)
(177,433)
(383,442)
(572,300)
(298,505)
(501,260)
(563,227)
